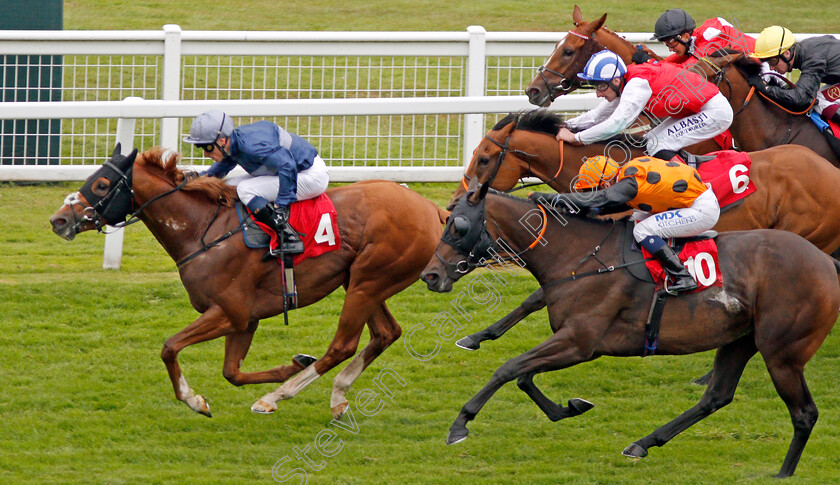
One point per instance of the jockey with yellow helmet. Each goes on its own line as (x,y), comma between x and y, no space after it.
(818,60)
(690,108)
(669,200)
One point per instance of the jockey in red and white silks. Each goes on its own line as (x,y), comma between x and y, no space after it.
(690,108)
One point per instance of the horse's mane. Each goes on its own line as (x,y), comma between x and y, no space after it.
(561,208)
(539,120)
(166,161)
(746,65)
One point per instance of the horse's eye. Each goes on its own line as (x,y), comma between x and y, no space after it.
(483,161)
(568,52)
(100,187)
(460,226)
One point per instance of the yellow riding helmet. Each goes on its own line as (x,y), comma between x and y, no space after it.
(772,42)
(595,171)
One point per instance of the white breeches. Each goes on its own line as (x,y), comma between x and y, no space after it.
(675,133)
(701,216)
(311,182)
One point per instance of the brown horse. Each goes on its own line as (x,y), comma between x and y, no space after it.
(796,189)
(779,297)
(234,289)
(757,125)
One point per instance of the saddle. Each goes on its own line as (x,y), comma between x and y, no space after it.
(633,258)
(631,253)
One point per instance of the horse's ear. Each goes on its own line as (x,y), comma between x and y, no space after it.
(577,16)
(131,156)
(600,23)
(117,150)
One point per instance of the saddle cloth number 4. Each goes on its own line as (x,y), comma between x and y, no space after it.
(324,233)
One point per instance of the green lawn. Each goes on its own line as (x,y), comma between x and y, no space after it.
(86,398)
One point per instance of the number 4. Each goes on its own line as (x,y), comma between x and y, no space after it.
(324,233)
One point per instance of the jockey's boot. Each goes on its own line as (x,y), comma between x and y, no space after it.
(669,155)
(681,279)
(278,220)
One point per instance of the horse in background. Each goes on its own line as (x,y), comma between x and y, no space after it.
(756,126)
(796,189)
(234,289)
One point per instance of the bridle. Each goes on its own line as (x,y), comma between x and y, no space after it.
(566,84)
(505,148)
(117,203)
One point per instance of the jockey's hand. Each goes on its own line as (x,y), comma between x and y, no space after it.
(640,56)
(542,198)
(758,83)
(567,136)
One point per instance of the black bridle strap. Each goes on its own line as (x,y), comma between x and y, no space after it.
(212,244)
(608,269)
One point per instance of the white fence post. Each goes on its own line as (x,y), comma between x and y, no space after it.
(171,83)
(476,61)
(114,237)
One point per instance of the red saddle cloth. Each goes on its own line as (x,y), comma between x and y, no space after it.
(729,175)
(701,260)
(316,218)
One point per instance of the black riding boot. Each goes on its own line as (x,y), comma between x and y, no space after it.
(278,219)
(681,279)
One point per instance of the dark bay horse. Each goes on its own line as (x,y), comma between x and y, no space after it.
(234,289)
(796,189)
(757,125)
(780,297)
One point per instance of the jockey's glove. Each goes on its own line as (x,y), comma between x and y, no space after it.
(758,83)
(640,56)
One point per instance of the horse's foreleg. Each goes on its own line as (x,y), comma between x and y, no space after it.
(236,348)
(211,324)
(384,331)
(534,302)
(729,364)
(358,307)
(559,351)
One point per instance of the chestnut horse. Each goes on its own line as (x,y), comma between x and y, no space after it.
(796,189)
(779,297)
(757,125)
(234,289)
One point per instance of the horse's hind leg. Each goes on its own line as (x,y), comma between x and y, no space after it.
(790,384)
(729,364)
(384,331)
(359,305)
(236,348)
(531,304)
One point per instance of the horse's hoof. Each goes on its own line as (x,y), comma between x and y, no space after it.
(635,450)
(703,381)
(304,360)
(198,404)
(580,406)
(457,435)
(262,407)
(467,343)
(339,410)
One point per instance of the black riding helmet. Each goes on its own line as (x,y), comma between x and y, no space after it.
(672,23)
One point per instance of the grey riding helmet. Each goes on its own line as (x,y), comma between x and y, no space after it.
(672,23)
(210,126)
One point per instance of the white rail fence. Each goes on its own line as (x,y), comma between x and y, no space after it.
(374,103)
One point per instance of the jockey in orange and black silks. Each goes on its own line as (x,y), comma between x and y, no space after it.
(669,200)
(691,109)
